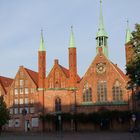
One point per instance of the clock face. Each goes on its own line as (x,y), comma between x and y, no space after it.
(100,67)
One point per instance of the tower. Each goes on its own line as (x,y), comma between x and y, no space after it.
(128,44)
(41,64)
(72,60)
(101,36)
(41,78)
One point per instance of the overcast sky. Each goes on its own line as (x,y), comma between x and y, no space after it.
(22,20)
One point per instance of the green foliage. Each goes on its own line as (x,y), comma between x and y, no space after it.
(133,67)
(4,113)
(94,117)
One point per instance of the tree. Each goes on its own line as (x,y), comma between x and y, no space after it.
(133,66)
(4,113)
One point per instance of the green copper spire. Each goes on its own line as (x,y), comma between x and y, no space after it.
(42,47)
(128,33)
(72,41)
(101,29)
(101,36)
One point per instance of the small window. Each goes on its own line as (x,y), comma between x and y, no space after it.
(21,90)
(11,110)
(21,101)
(26,101)
(32,110)
(20,110)
(16,110)
(26,91)
(16,91)
(16,101)
(35,122)
(21,82)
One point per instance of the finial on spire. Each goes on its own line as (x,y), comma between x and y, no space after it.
(128,33)
(72,42)
(100,1)
(42,47)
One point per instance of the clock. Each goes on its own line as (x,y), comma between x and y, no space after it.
(100,68)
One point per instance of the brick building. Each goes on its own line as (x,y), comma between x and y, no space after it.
(31,94)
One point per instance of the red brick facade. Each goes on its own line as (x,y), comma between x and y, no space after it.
(129,51)
(32,94)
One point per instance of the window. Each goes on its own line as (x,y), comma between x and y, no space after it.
(17,122)
(11,111)
(11,123)
(32,101)
(26,91)
(102,91)
(21,82)
(16,91)
(21,90)
(32,110)
(21,101)
(35,122)
(58,104)
(26,101)
(20,110)
(16,101)
(117,91)
(16,110)
(27,109)
(87,93)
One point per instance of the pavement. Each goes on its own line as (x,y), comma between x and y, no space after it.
(71,136)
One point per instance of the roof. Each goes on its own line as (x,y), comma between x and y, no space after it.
(120,72)
(5,82)
(33,75)
(66,72)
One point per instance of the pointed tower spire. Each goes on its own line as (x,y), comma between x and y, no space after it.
(42,46)
(101,35)
(72,41)
(128,34)
(101,29)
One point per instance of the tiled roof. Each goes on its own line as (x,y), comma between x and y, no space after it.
(5,82)
(66,71)
(33,75)
(120,72)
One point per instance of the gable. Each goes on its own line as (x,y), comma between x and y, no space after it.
(24,75)
(101,69)
(58,77)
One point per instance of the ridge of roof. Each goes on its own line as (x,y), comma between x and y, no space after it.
(120,71)
(65,70)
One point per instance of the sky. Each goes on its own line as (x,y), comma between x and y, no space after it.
(22,20)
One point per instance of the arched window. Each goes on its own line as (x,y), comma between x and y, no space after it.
(57,104)
(102,91)
(87,93)
(117,91)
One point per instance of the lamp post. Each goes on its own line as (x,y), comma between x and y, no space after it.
(75,108)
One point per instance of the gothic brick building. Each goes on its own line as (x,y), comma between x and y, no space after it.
(31,94)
